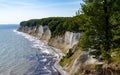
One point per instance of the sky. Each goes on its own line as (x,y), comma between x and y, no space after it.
(15,11)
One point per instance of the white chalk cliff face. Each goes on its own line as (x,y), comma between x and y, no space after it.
(40,31)
(27,29)
(71,39)
(46,33)
(66,41)
(63,42)
(43,32)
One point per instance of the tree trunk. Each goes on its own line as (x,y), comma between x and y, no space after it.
(107,27)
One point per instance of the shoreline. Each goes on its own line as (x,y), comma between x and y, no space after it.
(57,53)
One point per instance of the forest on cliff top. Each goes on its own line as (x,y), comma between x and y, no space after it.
(99,23)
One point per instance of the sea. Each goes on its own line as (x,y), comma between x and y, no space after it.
(22,54)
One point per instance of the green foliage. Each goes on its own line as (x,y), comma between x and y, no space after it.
(66,58)
(57,25)
(54,23)
(77,73)
(116,54)
(102,29)
(99,23)
(63,61)
(72,24)
(78,12)
(69,54)
(29,23)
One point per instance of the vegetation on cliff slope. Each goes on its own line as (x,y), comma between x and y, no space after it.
(100,26)
(99,23)
(57,25)
(102,29)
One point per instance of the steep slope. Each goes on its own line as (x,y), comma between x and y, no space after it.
(65,41)
(58,33)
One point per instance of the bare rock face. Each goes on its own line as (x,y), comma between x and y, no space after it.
(63,42)
(57,42)
(78,63)
(46,33)
(84,62)
(66,41)
(39,31)
(43,33)
(71,39)
(27,29)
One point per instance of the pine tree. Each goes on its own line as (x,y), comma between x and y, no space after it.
(103,27)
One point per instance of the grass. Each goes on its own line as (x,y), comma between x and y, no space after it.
(115,56)
(68,60)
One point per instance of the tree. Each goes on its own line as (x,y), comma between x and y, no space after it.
(103,18)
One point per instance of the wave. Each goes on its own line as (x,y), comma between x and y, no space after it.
(36,42)
(41,45)
(48,60)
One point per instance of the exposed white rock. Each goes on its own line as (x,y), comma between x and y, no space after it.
(71,39)
(66,41)
(27,29)
(40,31)
(44,33)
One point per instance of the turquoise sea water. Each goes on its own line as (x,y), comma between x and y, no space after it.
(21,54)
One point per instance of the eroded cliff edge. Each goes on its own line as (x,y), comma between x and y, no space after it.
(65,39)
(66,42)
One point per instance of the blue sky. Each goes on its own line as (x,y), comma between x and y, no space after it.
(15,11)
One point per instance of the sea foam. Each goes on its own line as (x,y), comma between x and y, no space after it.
(36,42)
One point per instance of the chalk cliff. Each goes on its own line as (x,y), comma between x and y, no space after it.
(63,42)
(65,34)
(66,42)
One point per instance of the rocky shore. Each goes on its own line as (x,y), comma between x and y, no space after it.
(53,62)
(63,42)
(79,62)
